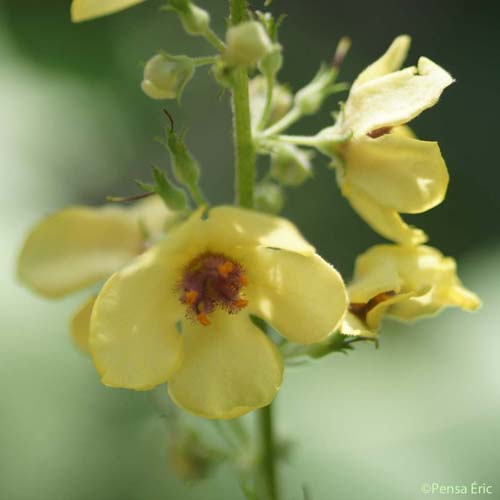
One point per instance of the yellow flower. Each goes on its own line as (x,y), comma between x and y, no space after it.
(181,312)
(80,246)
(403,282)
(83,10)
(386,170)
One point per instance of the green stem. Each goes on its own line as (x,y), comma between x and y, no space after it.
(204,61)
(289,119)
(269,101)
(197,195)
(268,464)
(212,38)
(243,141)
(301,140)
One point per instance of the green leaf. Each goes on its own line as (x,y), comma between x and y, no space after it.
(174,197)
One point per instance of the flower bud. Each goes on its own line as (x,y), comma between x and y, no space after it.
(309,99)
(194,19)
(247,44)
(271,63)
(166,76)
(190,459)
(281,103)
(290,165)
(269,198)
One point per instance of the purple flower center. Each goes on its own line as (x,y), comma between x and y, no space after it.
(211,281)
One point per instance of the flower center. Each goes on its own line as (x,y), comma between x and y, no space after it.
(211,281)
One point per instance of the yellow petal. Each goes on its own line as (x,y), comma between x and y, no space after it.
(427,277)
(352,325)
(225,228)
(370,280)
(384,220)
(154,216)
(76,247)
(405,174)
(133,339)
(394,99)
(390,61)
(80,325)
(376,314)
(303,297)
(230,368)
(82,10)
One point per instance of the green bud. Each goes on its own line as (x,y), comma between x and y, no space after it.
(309,99)
(271,63)
(224,74)
(290,165)
(191,459)
(165,76)
(195,20)
(247,44)
(184,166)
(281,103)
(269,198)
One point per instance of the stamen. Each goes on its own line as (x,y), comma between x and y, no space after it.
(203,319)
(361,310)
(209,282)
(379,132)
(190,296)
(225,269)
(241,303)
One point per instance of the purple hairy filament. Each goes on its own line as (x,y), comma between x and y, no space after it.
(211,281)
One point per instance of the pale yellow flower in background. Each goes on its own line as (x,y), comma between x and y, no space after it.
(79,246)
(83,10)
(402,282)
(387,171)
(281,102)
(181,312)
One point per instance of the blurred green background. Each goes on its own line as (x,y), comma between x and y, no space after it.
(74,127)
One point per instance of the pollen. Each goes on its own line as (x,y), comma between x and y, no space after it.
(241,303)
(209,282)
(203,319)
(190,296)
(225,269)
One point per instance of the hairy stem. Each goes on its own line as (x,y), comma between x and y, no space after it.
(244,147)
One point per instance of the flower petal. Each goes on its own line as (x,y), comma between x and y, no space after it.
(154,216)
(76,247)
(352,325)
(82,10)
(303,297)
(133,339)
(229,227)
(80,325)
(428,279)
(405,174)
(230,368)
(394,99)
(390,61)
(384,220)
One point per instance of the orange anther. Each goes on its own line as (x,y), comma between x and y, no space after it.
(241,303)
(243,280)
(225,268)
(203,319)
(190,296)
